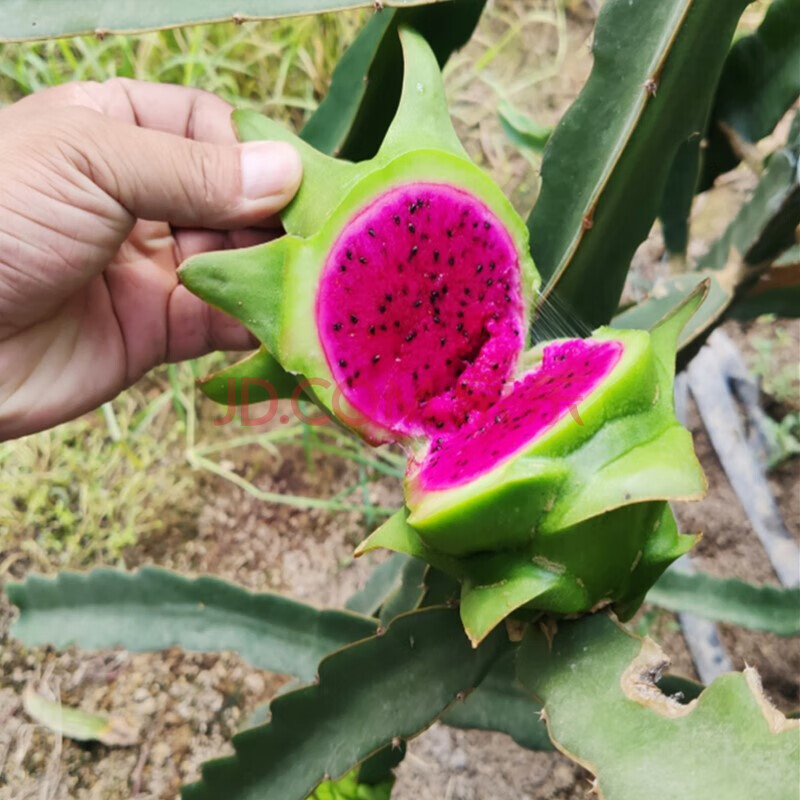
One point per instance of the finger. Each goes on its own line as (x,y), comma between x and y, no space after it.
(160,176)
(187,112)
(195,328)
(191,242)
(249,237)
(272,224)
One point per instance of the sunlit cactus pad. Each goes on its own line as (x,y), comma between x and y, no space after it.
(603,708)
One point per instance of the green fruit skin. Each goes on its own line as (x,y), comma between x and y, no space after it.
(610,559)
(495,514)
(601,556)
(593,563)
(664,546)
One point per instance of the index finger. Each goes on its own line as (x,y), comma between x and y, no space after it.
(180,110)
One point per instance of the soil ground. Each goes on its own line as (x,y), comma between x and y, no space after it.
(186,706)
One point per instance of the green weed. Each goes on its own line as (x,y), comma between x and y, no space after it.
(655,622)
(780,380)
(90,488)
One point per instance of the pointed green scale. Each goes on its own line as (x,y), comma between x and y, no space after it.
(324,178)
(422,120)
(611,559)
(248,381)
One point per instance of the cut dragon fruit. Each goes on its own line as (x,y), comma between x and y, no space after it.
(400,301)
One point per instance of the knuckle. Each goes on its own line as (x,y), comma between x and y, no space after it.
(116,84)
(50,139)
(117,92)
(80,137)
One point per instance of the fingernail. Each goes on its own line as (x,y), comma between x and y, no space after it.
(269,168)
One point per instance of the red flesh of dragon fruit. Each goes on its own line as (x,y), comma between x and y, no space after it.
(413,291)
(569,372)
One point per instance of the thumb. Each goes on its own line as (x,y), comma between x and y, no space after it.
(160,176)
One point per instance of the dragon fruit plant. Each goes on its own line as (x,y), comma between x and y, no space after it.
(401,300)
(404,301)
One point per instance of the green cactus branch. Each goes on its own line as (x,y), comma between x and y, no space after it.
(763,229)
(759,84)
(501,704)
(671,292)
(778,293)
(153,609)
(409,593)
(679,193)
(604,710)
(379,768)
(762,608)
(384,580)
(192,614)
(384,689)
(47,19)
(765,225)
(607,162)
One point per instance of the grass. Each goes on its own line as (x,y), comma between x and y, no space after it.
(281,65)
(89,489)
(780,377)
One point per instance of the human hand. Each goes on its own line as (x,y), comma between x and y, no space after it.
(104,190)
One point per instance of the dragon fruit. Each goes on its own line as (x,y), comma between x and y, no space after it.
(400,300)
